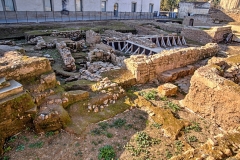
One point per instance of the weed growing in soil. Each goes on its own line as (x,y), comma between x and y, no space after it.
(106,153)
(21,147)
(179,146)
(156,125)
(195,126)
(7,149)
(174,107)
(151,95)
(49,134)
(168,154)
(118,123)
(143,142)
(5,158)
(12,139)
(192,139)
(36,145)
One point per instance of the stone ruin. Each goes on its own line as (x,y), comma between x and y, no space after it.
(65,52)
(219,78)
(214,90)
(147,68)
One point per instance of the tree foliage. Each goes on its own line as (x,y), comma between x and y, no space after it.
(169,5)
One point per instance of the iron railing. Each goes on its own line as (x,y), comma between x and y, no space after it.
(58,16)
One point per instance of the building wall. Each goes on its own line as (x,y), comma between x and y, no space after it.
(87,5)
(1,7)
(189,8)
(29,5)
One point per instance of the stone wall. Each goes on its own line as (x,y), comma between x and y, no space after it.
(215,34)
(66,55)
(18,67)
(199,20)
(215,97)
(15,115)
(147,68)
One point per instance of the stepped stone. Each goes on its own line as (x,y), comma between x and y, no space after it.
(167,89)
(3,83)
(71,97)
(14,88)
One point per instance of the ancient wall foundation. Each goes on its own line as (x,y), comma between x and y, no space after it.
(16,66)
(213,93)
(147,68)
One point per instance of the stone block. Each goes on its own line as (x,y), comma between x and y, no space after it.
(12,89)
(71,97)
(167,89)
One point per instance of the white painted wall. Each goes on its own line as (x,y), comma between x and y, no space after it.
(1,6)
(91,5)
(185,8)
(88,5)
(126,5)
(29,5)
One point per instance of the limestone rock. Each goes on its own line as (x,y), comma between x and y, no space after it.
(51,118)
(167,89)
(71,97)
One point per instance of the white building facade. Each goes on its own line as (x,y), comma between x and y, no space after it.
(193,8)
(81,5)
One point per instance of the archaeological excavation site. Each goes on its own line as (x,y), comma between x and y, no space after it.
(120,89)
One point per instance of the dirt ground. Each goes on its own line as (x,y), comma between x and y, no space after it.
(120,132)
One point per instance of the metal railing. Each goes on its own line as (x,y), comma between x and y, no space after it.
(57,16)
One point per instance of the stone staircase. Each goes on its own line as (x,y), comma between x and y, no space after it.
(181,76)
(9,88)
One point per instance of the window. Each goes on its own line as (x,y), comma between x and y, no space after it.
(103,6)
(134,7)
(151,8)
(47,5)
(9,5)
(78,5)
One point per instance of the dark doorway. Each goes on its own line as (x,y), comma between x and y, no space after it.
(191,22)
(116,9)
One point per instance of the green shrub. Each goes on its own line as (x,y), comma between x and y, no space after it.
(106,153)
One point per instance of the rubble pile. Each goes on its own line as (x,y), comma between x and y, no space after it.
(110,93)
(233,73)
(76,46)
(106,53)
(40,43)
(110,35)
(68,34)
(65,52)
(93,73)
(92,38)
(143,41)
